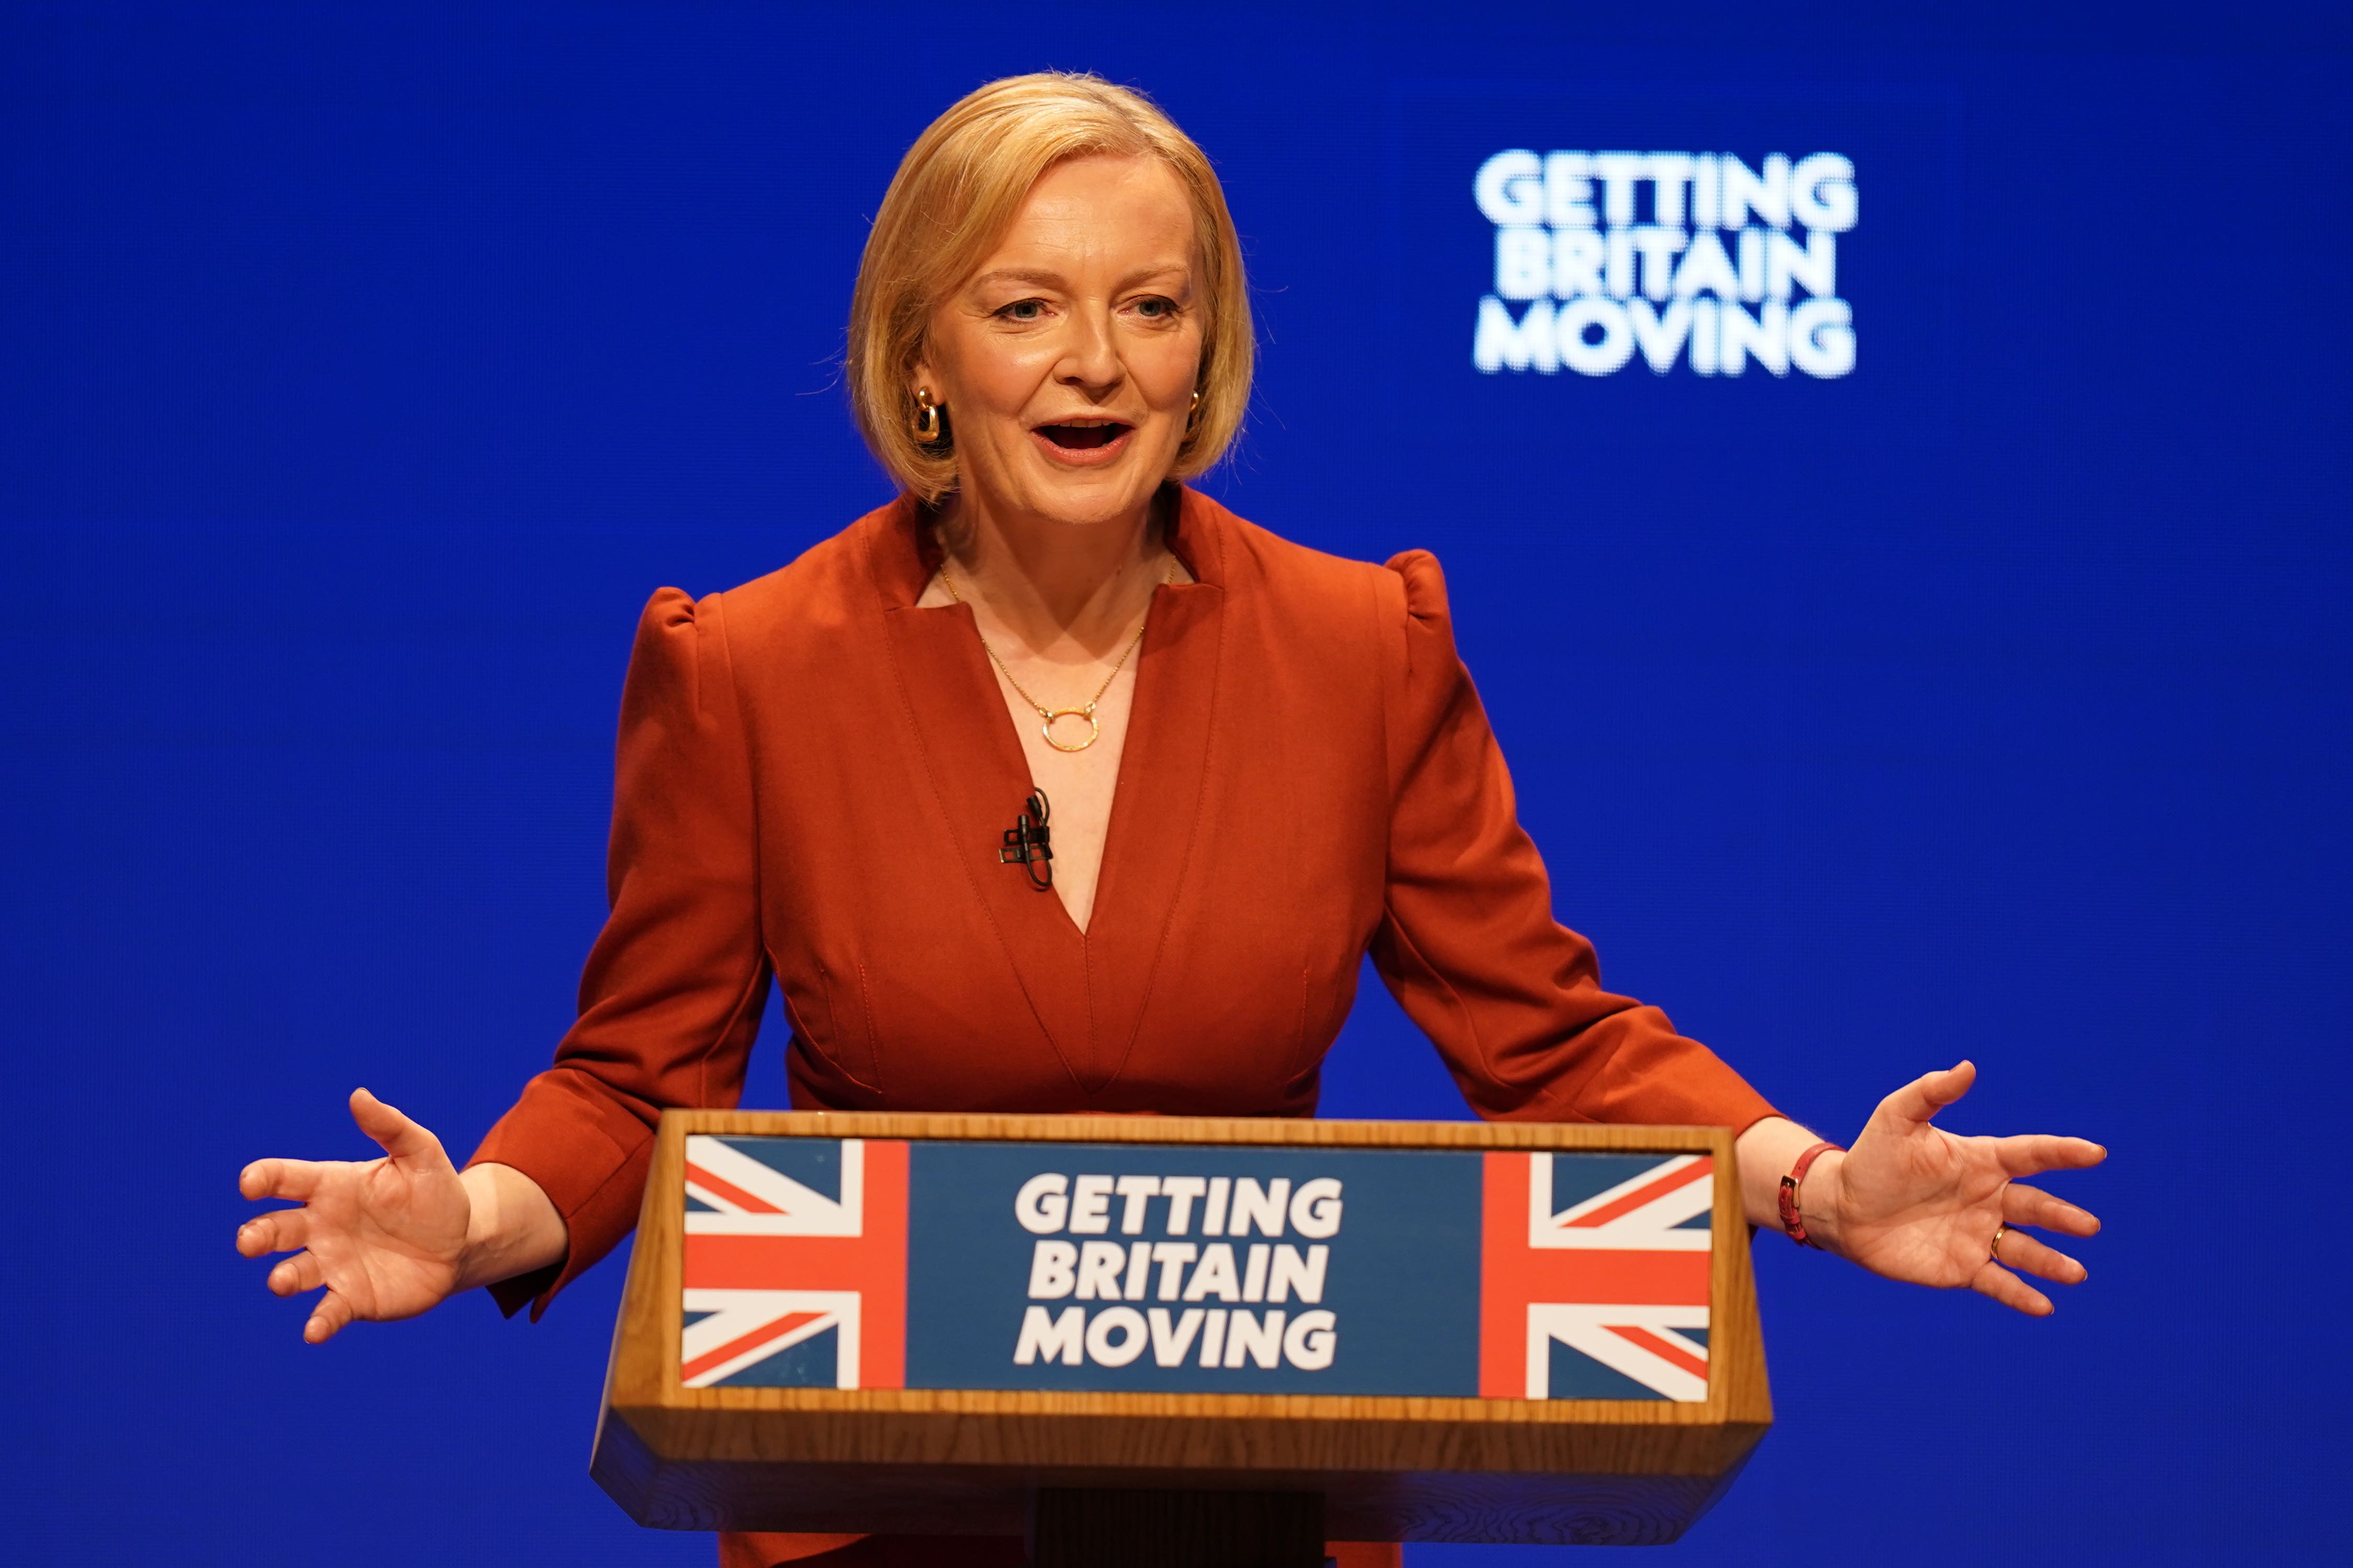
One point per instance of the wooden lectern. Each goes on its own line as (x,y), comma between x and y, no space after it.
(1145,1341)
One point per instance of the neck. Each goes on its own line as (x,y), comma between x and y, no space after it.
(1048,579)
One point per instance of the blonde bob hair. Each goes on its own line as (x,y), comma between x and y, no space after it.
(956,192)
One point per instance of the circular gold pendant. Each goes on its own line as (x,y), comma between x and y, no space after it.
(1094,730)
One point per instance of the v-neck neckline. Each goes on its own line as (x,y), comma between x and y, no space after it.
(1130,664)
(1088,988)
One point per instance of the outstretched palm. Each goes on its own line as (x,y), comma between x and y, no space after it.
(1919,1204)
(384,1236)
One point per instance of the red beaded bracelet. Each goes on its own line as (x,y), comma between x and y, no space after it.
(1791,1221)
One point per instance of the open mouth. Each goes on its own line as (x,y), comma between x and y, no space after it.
(1083,437)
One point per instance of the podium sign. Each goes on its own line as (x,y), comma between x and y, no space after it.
(939,1263)
(911,1324)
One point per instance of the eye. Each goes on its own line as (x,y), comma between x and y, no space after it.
(1023,311)
(1153,308)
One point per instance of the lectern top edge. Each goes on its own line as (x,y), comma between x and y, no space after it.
(1196,1129)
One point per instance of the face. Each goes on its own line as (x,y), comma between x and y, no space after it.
(1067,362)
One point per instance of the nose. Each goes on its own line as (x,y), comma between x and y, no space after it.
(1091,356)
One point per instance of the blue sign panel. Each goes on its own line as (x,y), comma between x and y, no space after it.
(1224,1269)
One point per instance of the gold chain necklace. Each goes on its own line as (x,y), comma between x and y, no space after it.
(1085,710)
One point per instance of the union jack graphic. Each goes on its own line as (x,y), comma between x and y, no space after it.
(1595,1276)
(773,1265)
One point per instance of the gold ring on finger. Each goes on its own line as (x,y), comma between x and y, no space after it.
(1993,1254)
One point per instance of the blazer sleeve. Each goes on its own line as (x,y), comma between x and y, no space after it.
(671,997)
(1468,943)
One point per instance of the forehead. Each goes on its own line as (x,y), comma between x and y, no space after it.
(1116,211)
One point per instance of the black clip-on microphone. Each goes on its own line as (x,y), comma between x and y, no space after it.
(1028,844)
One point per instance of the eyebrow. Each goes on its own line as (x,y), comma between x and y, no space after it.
(1056,280)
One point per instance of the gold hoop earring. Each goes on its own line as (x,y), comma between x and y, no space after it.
(928,428)
(1193,412)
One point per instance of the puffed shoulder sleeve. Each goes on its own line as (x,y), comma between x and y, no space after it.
(671,997)
(1467,942)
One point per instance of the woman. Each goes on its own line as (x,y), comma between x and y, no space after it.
(1252,765)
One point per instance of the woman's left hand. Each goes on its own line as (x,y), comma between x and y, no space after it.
(1915,1203)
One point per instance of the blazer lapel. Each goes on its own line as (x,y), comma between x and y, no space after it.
(975,771)
(1155,814)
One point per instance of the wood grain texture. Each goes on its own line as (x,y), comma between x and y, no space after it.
(966,1461)
(1262,1130)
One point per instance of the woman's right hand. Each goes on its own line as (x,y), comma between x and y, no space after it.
(386,1237)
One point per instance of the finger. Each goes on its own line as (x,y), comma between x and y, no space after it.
(2028,1256)
(1920,1099)
(2023,1204)
(1992,1279)
(294,1179)
(327,1320)
(402,1139)
(302,1272)
(2031,1153)
(283,1231)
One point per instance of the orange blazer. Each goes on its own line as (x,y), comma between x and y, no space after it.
(814,780)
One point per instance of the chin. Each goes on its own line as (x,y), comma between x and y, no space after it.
(1093,508)
(1082,500)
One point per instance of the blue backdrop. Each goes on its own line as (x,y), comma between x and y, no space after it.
(363,367)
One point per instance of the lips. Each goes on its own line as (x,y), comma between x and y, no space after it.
(1083,443)
(1083,437)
